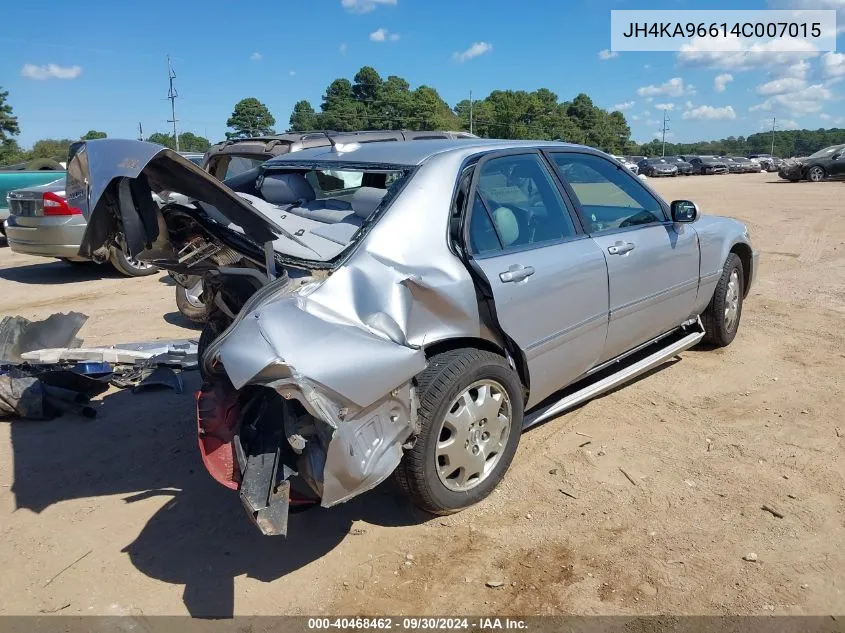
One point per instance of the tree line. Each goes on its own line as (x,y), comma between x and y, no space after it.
(371,102)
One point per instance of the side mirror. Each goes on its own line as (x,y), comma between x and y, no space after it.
(684,211)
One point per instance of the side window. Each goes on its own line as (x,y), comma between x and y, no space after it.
(517,203)
(609,197)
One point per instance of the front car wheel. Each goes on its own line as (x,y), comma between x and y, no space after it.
(130,266)
(470,422)
(815,174)
(722,316)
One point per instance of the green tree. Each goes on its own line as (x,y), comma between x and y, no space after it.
(55,149)
(339,108)
(162,139)
(91,135)
(8,121)
(250,118)
(190,142)
(303,117)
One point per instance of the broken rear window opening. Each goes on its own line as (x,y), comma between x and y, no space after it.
(322,207)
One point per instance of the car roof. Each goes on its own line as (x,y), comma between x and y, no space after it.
(408,153)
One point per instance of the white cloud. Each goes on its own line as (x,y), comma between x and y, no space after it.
(672,88)
(720,82)
(649,100)
(779,86)
(836,120)
(625,105)
(653,122)
(342,48)
(635,117)
(798,70)
(709,113)
(833,64)
(836,5)
(292,73)
(646,113)
(256,57)
(606,54)
(364,6)
(738,55)
(665,106)
(479,48)
(689,105)
(50,71)
(805,101)
(383,35)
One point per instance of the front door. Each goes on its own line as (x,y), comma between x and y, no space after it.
(652,263)
(549,281)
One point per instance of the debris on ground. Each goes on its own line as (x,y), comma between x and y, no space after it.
(751,557)
(493,584)
(19,335)
(44,371)
(772,511)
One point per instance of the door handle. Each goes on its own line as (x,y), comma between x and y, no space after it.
(515,273)
(620,248)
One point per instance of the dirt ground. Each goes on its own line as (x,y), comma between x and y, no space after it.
(117,516)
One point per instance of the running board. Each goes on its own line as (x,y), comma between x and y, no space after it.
(626,373)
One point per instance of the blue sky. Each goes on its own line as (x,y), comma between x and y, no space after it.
(100,64)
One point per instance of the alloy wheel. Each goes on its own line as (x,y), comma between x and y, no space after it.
(816,174)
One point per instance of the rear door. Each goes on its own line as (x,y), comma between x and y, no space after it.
(652,263)
(548,279)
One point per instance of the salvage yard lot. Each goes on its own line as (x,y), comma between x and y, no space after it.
(123,501)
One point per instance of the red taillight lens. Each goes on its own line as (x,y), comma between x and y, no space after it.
(56,205)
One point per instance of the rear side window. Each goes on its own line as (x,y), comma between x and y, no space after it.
(239,164)
(517,203)
(610,198)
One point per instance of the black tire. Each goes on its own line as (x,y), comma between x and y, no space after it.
(192,312)
(717,332)
(126,267)
(816,174)
(447,375)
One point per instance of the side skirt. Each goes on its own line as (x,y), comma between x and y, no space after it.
(601,382)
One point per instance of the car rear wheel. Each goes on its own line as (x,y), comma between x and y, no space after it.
(130,266)
(815,174)
(722,316)
(189,300)
(470,417)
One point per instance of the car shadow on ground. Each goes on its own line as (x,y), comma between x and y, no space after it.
(177,318)
(144,445)
(58,272)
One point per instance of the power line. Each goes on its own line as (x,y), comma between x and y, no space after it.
(665,129)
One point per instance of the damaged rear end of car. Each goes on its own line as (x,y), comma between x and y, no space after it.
(316,332)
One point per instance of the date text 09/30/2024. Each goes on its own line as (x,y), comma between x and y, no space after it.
(417,624)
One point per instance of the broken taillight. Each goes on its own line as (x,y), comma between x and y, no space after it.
(54,204)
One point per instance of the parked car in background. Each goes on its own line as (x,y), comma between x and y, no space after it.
(41,222)
(684,168)
(740,165)
(417,323)
(654,167)
(635,159)
(704,165)
(30,174)
(767,162)
(828,162)
(632,167)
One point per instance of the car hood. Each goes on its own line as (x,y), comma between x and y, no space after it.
(112,182)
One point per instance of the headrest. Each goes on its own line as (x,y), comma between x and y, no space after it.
(507,225)
(366,199)
(286,189)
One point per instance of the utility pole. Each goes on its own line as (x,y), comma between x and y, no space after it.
(774,123)
(140,132)
(665,129)
(470,111)
(172,94)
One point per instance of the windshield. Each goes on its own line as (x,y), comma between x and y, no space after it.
(827,151)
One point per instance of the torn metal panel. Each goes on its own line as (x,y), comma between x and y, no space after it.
(365,450)
(96,170)
(19,336)
(159,377)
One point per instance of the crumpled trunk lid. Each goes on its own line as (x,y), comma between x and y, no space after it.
(112,182)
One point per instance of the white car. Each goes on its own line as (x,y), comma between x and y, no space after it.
(632,167)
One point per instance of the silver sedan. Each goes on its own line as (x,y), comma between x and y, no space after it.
(411,308)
